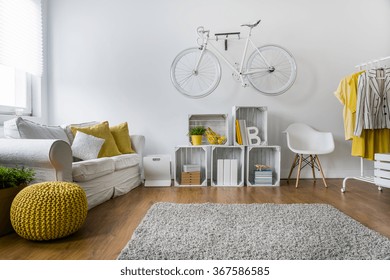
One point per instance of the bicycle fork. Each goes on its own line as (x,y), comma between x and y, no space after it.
(202,49)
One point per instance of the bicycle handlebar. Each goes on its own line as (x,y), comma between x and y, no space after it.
(200,30)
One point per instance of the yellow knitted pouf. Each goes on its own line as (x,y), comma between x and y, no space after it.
(48,210)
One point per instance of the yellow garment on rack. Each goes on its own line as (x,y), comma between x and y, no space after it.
(346,93)
(371,141)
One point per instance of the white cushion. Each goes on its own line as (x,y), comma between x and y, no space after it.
(10,129)
(25,129)
(86,146)
(90,169)
(68,131)
(125,161)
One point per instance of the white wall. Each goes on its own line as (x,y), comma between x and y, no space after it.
(110,60)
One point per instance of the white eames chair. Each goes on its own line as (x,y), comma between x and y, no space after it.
(307,143)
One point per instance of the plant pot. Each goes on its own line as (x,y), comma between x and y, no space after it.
(196,140)
(6,197)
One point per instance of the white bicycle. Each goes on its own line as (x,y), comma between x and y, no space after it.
(196,72)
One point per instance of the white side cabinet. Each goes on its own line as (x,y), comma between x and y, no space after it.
(157,170)
(227,166)
(190,156)
(263,155)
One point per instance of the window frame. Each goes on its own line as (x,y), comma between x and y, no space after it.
(29,91)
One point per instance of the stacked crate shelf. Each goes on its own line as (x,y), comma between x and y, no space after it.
(246,156)
(217,122)
(263,155)
(227,152)
(190,155)
(382,170)
(254,117)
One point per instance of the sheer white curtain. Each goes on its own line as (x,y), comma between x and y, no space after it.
(21,54)
(21,35)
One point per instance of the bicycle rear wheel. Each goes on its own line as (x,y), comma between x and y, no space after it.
(273,71)
(191,83)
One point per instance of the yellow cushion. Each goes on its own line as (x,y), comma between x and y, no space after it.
(101,130)
(122,138)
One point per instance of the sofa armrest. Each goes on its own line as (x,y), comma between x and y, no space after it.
(51,159)
(138,144)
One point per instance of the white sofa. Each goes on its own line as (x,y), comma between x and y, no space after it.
(101,178)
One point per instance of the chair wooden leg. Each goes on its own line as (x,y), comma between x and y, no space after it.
(312,167)
(299,170)
(292,166)
(322,173)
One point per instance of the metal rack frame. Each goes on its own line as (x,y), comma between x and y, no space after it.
(368,179)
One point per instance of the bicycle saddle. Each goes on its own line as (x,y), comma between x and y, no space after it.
(252,25)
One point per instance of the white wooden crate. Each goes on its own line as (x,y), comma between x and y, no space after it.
(254,117)
(227,152)
(265,155)
(188,155)
(382,170)
(219,123)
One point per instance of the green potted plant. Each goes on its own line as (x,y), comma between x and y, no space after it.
(12,180)
(196,134)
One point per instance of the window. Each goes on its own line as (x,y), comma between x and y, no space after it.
(20,54)
(16,91)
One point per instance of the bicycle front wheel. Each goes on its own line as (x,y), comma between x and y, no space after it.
(195,83)
(271,70)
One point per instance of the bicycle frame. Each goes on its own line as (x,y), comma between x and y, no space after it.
(195,72)
(204,35)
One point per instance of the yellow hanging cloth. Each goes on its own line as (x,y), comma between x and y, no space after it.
(346,93)
(371,141)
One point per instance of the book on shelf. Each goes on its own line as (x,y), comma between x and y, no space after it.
(243,132)
(263,173)
(191,167)
(263,176)
(263,181)
(233,172)
(245,135)
(220,172)
(227,172)
(238,133)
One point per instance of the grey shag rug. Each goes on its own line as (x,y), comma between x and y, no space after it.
(171,231)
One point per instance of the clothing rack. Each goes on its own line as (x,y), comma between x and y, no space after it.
(368,179)
(359,66)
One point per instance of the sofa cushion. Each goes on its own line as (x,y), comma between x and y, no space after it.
(25,129)
(125,161)
(101,130)
(86,146)
(68,131)
(90,169)
(121,135)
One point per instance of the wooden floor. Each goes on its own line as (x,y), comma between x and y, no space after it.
(110,225)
